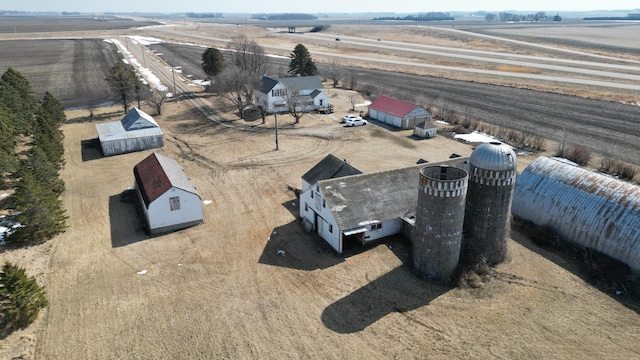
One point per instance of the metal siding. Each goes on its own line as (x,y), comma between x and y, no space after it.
(584,207)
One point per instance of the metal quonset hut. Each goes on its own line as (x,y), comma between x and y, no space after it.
(168,199)
(398,113)
(137,131)
(584,207)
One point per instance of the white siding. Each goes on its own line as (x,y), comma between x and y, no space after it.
(320,216)
(160,214)
(389,227)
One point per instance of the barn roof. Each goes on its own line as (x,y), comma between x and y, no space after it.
(157,174)
(137,119)
(328,168)
(392,106)
(112,131)
(358,199)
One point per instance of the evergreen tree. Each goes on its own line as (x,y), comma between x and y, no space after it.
(44,171)
(52,106)
(122,80)
(20,296)
(48,137)
(8,160)
(40,211)
(17,96)
(301,63)
(212,62)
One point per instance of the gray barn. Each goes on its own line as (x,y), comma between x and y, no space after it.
(137,131)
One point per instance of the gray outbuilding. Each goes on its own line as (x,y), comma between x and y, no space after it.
(584,207)
(137,131)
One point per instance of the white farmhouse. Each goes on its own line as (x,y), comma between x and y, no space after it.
(168,199)
(137,131)
(398,113)
(272,93)
(355,209)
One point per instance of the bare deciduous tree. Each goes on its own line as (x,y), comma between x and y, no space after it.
(156,100)
(334,72)
(234,85)
(249,57)
(297,104)
(353,100)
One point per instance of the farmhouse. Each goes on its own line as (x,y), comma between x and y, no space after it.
(137,131)
(168,199)
(348,209)
(398,113)
(275,94)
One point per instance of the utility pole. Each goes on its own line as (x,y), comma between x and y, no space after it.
(276,117)
(173,72)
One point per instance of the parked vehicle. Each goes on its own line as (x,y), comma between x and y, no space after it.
(347,117)
(356,122)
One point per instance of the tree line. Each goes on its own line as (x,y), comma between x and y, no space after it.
(31,157)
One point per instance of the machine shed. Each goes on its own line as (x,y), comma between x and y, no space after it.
(137,131)
(587,208)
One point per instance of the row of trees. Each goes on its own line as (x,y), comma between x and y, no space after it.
(236,76)
(31,156)
(35,126)
(510,17)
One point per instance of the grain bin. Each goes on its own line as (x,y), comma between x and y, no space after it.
(492,176)
(592,210)
(439,219)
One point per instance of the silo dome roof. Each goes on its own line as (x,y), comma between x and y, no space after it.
(494,156)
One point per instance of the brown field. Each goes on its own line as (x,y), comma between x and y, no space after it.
(221,290)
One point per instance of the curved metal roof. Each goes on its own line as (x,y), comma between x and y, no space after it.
(494,156)
(584,207)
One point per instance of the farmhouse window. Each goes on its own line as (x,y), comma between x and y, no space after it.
(376,226)
(306,207)
(279,92)
(174,202)
(312,194)
(330,228)
(324,203)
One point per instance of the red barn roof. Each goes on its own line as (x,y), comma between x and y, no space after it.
(157,174)
(391,106)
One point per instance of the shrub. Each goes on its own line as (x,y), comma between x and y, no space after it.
(576,153)
(20,297)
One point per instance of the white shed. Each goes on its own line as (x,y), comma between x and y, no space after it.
(425,130)
(137,131)
(168,199)
(398,113)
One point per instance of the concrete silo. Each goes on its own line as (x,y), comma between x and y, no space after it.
(439,219)
(492,177)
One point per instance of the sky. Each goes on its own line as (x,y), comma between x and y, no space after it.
(313,7)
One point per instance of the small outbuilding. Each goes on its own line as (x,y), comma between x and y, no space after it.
(137,131)
(425,129)
(168,199)
(398,113)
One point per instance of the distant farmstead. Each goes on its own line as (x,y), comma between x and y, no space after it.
(137,131)
(398,113)
(272,93)
(168,199)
